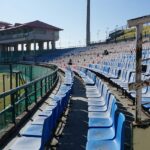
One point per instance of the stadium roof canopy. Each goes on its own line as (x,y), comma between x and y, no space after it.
(4,24)
(27,33)
(34,24)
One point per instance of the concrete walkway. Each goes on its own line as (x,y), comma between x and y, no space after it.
(75,132)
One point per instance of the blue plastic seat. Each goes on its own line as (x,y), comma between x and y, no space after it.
(146,106)
(39,120)
(101,132)
(90,88)
(27,143)
(104,114)
(103,122)
(117,143)
(98,105)
(101,95)
(33,130)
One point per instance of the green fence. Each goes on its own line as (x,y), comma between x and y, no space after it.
(24,96)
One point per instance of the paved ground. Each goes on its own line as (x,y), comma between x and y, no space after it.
(75,131)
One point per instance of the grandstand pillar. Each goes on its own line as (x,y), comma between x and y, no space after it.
(47,45)
(22,47)
(16,47)
(8,48)
(53,45)
(40,45)
(28,46)
(34,46)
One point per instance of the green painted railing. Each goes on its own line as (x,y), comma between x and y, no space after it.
(16,101)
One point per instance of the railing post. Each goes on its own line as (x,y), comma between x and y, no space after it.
(4,90)
(49,83)
(45,85)
(41,88)
(13,108)
(35,92)
(10,67)
(26,99)
(31,76)
(51,79)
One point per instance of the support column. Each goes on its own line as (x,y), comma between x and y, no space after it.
(138,70)
(53,45)
(22,47)
(138,22)
(34,46)
(40,45)
(16,47)
(47,45)
(28,46)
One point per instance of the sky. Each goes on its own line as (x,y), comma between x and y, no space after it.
(70,15)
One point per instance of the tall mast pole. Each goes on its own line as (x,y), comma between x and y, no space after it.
(88,24)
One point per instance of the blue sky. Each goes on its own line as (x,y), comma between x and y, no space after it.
(71,15)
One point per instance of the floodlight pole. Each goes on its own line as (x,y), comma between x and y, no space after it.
(138,22)
(88,24)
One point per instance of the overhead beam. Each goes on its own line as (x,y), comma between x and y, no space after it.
(139,20)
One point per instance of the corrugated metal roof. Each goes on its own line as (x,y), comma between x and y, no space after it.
(33,24)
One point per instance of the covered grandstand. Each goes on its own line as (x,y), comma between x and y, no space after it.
(20,39)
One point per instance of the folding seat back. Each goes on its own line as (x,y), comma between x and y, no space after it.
(144,89)
(100,88)
(97,66)
(113,111)
(46,133)
(132,78)
(93,77)
(113,71)
(120,131)
(112,101)
(105,89)
(117,71)
(97,82)
(148,90)
(107,98)
(124,75)
(128,76)
(90,65)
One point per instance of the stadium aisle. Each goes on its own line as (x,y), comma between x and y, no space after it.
(75,131)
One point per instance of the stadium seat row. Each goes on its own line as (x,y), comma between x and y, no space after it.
(106,124)
(121,76)
(36,134)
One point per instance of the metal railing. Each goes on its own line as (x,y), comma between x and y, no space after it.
(16,101)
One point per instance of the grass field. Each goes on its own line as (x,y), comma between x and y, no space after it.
(7,82)
(7,87)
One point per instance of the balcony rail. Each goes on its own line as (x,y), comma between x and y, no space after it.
(16,101)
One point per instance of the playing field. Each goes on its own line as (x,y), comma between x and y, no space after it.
(7,82)
(7,87)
